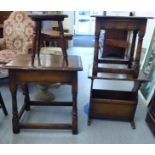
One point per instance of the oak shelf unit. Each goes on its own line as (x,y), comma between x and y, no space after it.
(117,104)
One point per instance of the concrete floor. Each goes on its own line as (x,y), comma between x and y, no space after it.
(101,131)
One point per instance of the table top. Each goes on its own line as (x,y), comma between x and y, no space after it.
(121,17)
(46,62)
(42,17)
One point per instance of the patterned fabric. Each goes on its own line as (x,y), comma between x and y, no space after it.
(18,30)
(18,33)
(7,55)
(2,43)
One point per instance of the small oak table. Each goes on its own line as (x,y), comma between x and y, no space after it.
(49,69)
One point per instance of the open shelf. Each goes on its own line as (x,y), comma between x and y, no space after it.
(117,76)
(113,104)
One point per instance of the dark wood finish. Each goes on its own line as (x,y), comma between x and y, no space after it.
(116,105)
(50,69)
(118,77)
(37,40)
(105,103)
(113,61)
(3,16)
(115,70)
(150,117)
(137,25)
(54,37)
(1,31)
(2,105)
(111,50)
(48,17)
(117,43)
(110,104)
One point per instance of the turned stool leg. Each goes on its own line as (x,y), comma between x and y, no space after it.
(3,105)
(15,118)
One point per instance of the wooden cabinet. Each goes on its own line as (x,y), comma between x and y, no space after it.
(150,117)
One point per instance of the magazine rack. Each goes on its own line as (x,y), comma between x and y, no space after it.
(114,104)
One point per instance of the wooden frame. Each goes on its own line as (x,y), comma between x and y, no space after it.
(51,70)
(37,40)
(116,104)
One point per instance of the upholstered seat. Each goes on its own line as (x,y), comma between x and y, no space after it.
(18,34)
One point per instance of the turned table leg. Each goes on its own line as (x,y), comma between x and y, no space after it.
(15,119)
(74,111)
(26,96)
(90,104)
